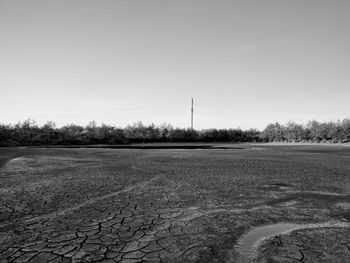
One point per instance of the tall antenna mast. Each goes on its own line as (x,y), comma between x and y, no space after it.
(192,115)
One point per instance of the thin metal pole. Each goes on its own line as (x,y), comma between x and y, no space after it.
(192,115)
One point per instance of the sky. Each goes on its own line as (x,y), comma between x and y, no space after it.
(245,63)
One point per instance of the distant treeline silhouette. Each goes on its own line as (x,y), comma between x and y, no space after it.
(29,133)
(314,131)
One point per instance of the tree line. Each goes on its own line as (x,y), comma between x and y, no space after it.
(28,133)
(313,131)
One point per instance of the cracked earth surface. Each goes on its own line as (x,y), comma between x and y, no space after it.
(109,205)
(320,245)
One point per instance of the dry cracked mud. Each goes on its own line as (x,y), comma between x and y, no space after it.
(131,205)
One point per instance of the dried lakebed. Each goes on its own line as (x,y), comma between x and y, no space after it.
(282,204)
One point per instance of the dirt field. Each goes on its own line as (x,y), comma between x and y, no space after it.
(247,203)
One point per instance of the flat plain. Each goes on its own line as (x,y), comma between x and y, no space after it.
(236,203)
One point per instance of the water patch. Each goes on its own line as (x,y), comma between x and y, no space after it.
(247,245)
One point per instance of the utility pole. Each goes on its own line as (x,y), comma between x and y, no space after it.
(192,116)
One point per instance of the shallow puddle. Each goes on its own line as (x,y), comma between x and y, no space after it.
(248,243)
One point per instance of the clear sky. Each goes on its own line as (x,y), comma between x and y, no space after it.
(246,63)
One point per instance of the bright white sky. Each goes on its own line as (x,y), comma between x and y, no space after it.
(246,63)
